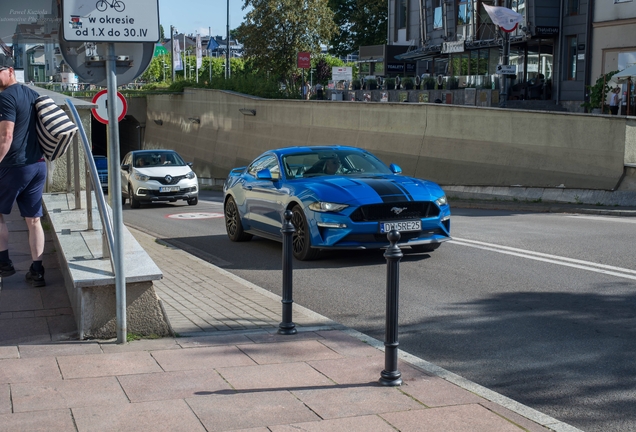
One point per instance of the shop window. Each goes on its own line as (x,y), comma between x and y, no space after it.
(572,7)
(438,22)
(572,54)
(401,14)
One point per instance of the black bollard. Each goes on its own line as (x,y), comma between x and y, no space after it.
(287,327)
(391,376)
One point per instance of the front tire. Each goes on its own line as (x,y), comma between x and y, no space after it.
(301,241)
(193,201)
(134,202)
(233,224)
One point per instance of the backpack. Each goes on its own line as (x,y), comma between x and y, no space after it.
(55,129)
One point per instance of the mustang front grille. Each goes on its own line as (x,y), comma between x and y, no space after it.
(395,211)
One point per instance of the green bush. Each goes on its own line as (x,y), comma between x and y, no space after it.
(408,83)
(390,83)
(597,93)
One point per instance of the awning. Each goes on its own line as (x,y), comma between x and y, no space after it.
(370,60)
(420,53)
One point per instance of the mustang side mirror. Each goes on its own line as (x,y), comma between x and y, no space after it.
(264,174)
(395,169)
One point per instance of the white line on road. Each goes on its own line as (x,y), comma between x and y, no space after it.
(553,259)
(605,218)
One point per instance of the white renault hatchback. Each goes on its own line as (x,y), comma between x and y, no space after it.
(157,176)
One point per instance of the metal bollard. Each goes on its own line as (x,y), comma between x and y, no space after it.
(391,376)
(287,327)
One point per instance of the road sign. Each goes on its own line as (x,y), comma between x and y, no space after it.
(101,112)
(110,20)
(304,60)
(506,69)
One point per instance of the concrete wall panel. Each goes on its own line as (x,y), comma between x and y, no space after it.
(452,145)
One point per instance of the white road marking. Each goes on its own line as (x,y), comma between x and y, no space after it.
(605,218)
(553,259)
(195,215)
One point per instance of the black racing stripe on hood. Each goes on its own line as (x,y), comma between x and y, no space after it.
(387,190)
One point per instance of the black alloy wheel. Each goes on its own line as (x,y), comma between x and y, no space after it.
(193,201)
(301,242)
(233,224)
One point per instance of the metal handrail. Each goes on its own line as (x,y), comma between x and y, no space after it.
(105,216)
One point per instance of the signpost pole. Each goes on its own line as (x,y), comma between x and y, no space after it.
(118,220)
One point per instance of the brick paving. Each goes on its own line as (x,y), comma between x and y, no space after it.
(227,369)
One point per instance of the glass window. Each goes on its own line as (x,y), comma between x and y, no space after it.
(264,162)
(482,68)
(437,17)
(401,14)
(572,7)
(571,59)
(464,12)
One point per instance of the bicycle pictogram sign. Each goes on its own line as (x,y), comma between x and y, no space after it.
(118,5)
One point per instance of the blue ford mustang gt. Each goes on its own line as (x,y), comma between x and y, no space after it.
(341,198)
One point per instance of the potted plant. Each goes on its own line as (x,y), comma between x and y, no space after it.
(597,94)
(356,84)
(428,83)
(390,83)
(408,83)
(371,84)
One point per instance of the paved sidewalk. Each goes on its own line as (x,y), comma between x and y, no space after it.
(227,370)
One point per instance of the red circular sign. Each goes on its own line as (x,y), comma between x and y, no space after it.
(101,112)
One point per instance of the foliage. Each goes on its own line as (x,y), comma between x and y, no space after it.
(371,84)
(356,84)
(390,83)
(246,83)
(408,83)
(275,31)
(361,23)
(428,83)
(323,71)
(597,93)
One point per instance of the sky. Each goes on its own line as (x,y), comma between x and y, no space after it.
(192,16)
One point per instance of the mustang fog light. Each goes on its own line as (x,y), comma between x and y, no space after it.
(331,225)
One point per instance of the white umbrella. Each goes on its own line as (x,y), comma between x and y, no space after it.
(623,75)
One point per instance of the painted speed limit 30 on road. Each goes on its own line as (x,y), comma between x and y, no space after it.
(195,215)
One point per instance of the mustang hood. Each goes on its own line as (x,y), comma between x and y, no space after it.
(372,190)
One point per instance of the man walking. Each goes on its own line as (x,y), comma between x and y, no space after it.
(22,169)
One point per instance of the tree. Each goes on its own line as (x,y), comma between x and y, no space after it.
(275,31)
(162,36)
(361,23)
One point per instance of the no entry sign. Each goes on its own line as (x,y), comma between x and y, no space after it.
(101,112)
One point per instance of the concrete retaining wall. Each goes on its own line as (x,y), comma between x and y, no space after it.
(449,144)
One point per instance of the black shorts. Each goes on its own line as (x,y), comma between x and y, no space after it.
(23,185)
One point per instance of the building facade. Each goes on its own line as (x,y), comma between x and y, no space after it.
(456,42)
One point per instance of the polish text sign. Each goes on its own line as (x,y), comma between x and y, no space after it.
(110,20)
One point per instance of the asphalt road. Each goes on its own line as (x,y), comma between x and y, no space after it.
(538,307)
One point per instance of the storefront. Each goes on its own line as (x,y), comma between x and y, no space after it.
(380,60)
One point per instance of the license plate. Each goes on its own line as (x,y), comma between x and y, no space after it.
(169,189)
(404,226)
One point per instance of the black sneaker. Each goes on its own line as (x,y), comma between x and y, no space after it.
(36,279)
(6,269)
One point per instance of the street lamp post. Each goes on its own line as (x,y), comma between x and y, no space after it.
(227,51)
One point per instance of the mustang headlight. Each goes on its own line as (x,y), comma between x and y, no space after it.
(141,177)
(441,201)
(190,175)
(322,206)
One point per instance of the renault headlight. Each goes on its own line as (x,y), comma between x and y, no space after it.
(190,175)
(141,177)
(441,201)
(321,206)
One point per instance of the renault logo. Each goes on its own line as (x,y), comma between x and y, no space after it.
(398,210)
(168,179)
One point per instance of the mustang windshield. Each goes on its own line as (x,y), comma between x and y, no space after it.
(321,163)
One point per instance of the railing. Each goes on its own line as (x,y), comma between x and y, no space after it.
(92,180)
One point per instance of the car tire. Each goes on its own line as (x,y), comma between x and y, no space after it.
(193,201)
(301,241)
(425,247)
(233,224)
(134,202)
